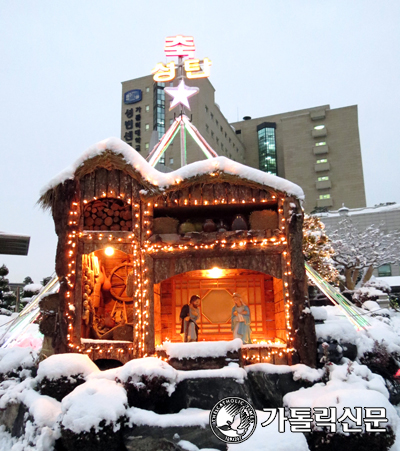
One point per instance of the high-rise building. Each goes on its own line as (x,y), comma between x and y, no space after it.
(317,148)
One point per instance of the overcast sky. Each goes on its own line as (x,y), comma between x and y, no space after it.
(62,64)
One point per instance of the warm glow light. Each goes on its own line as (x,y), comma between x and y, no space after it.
(109,251)
(215,273)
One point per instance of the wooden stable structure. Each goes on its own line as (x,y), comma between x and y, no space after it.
(133,246)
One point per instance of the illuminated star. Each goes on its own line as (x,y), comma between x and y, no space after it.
(181,95)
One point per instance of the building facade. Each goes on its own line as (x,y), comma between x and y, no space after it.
(145,121)
(317,148)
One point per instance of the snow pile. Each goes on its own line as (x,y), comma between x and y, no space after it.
(319,313)
(299,371)
(164,180)
(385,330)
(12,359)
(186,417)
(348,386)
(231,371)
(67,365)
(93,402)
(200,349)
(41,430)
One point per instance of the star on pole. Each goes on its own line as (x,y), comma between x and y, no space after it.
(181,94)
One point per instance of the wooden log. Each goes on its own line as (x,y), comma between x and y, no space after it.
(233,194)
(108,221)
(88,191)
(220,194)
(98,221)
(183,199)
(125,186)
(208,194)
(89,221)
(113,185)
(195,195)
(101,183)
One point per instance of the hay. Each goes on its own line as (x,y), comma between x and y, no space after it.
(165,225)
(263,220)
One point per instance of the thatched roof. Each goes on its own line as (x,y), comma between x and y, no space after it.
(116,154)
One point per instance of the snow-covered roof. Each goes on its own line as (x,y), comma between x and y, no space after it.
(392,281)
(166,180)
(381,208)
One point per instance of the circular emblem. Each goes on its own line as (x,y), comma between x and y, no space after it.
(233,420)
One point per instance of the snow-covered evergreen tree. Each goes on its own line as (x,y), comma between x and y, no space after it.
(363,251)
(7,297)
(317,248)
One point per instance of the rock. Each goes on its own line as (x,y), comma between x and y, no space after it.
(268,390)
(204,393)
(349,350)
(148,393)
(335,351)
(151,438)
(12,417)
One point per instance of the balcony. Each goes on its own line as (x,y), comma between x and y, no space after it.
(320,167)
(324,184)
(319,150)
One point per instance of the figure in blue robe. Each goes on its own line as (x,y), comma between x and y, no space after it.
(241,320)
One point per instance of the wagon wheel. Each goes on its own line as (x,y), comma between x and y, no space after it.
(118,279)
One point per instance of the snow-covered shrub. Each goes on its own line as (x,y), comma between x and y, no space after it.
(60,374)
(17,362)
(148,382)
(92,416)
(381,361)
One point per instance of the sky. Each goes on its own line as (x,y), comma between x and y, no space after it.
(62,64)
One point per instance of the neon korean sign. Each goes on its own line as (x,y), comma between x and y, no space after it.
(181,46)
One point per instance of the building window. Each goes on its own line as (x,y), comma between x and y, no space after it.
(162,160)
(170,121)
(207,127)
(147,89)
(222,146)
(227,136)
(212,116)
(147,127)
(206,107)
(212,134)
(385,270)
(222,130)
(319,127)
(322,143)
(171,161)
(230,141)
(323,160)
(324,196)
(267,147)
(216,121)
(323,178)
(217,140)
(147,107)
(146,145)
(159,109)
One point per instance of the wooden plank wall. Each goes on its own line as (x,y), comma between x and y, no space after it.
(280,319)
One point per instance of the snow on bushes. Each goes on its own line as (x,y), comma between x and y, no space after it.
(60,374)
(15,360)
(201,349)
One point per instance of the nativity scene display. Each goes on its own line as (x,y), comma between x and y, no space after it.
(135,246)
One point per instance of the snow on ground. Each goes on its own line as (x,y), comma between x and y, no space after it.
(348,386)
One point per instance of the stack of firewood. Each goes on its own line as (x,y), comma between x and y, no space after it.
(108,214)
